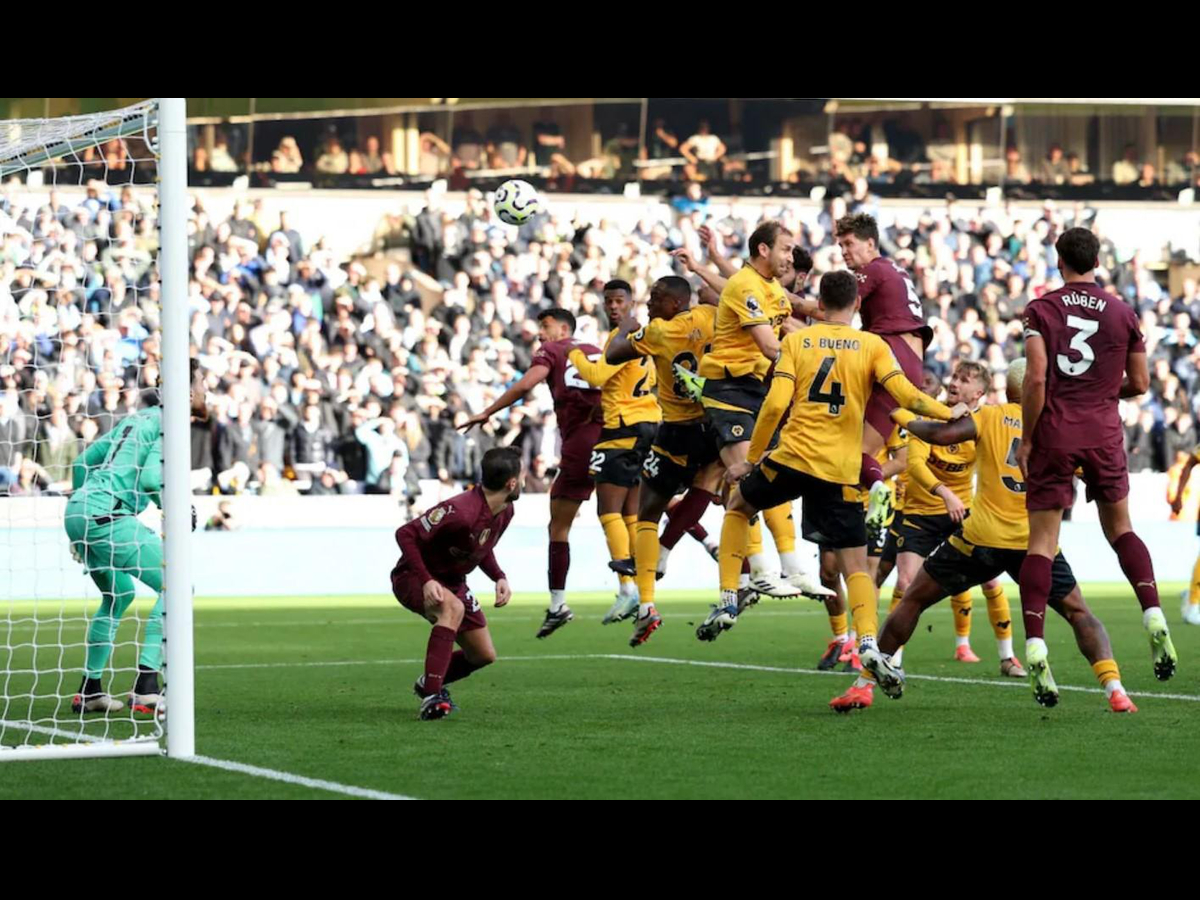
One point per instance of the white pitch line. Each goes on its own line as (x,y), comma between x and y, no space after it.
(290,778)
(713,664)
(52,732)
(708,664)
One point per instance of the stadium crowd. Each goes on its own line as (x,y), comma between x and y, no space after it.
(323,379)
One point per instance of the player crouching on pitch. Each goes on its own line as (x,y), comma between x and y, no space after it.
(439,550)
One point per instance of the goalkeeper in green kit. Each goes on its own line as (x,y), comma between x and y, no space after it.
(114,480)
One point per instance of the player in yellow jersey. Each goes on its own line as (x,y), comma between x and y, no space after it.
(992,541)
(630,419)
(683,453)
(938,499)
(752,310)
(1190,609)
(825,373)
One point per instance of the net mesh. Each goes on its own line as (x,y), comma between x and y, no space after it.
(79,357)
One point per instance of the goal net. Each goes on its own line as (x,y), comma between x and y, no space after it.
(85,243)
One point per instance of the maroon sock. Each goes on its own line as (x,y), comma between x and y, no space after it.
(1035,594)
(460,667)
(697,531)
(686,514)
(870,472)
(1135,563)
(560,562)
(437,658)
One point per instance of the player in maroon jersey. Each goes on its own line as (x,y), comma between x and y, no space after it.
(1084,352)
(438,551)
(889,307)
(577,408)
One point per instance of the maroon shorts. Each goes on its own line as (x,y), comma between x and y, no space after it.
(879,407)
(408,589)
(1051,485)
(573,481)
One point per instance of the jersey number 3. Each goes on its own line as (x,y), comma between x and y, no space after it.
(835,398)
(1084,329)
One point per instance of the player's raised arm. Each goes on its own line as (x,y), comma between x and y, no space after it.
(531,379)
(620,349)
(594,373)
(707,275)
(941,433)
(903,391)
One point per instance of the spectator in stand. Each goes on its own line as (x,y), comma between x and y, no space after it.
(549,149)
(467,146)
(1127,169)
(433,155)
(375,161)
(221,160)
(1079,173)
(504,145)
(1014,169)
(287,158)
(703,152)
(332,159)
(1054,169)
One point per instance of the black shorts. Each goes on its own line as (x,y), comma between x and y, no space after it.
(893,535)
(828,518)
(679,451)
(958,566)
(731,406)
(922,534)
(618,455)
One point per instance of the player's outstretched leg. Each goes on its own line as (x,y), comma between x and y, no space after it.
(1093,643)
(1139,570)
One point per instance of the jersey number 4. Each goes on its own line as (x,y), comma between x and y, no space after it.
(835,398)
(1084,329)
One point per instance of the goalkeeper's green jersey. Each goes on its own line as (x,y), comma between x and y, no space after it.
(121,472)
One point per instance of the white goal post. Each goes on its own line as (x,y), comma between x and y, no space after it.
(55,175)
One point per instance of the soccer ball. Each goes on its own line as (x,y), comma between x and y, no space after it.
(516,202)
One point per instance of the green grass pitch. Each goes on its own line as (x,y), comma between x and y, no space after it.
(321,688)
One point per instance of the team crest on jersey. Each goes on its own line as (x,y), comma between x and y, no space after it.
(862,278)
(752,304)
(737,430)
(435,516)
(483,535)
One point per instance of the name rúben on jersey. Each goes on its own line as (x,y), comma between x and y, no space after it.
(1085,300)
